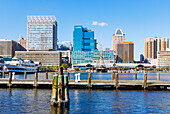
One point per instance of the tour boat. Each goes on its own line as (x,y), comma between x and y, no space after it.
(19,65)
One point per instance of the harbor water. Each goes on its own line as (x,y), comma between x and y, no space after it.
(20,100)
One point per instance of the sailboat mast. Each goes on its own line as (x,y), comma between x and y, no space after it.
(100,54)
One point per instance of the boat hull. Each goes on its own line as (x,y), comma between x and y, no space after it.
(20,69)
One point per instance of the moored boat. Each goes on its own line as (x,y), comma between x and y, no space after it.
(19,65)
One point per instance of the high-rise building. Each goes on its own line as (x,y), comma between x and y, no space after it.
(164,58)
(125,52)
(83,39)
(22,42)
(42,32)
(117,37)
(154,45)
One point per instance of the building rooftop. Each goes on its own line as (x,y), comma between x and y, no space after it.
(41,18)
(5,40)
(118,32)
(125,43)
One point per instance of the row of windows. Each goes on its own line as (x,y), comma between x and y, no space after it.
(79,61)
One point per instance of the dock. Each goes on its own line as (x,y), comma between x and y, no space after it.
(87,84)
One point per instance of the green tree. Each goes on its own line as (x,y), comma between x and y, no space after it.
(123,68)
(162,68)
(137,69)
(167,68)
(45,68)
(65,66)
(76,69)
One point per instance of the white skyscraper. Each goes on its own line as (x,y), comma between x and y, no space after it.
(117,37)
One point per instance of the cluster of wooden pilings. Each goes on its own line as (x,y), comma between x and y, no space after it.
(43,81)
(60,92)
(115,77)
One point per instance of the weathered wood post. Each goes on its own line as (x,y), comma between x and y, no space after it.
(54,94)
(10,79)
(113,76)
(145,81)
(36,79)
(117,83)
(135,76)
(68,74)
(25,75)
(60,93)
(60,88)
(3,74)
(89,80)
(66,92)
(158,76)
(46,75)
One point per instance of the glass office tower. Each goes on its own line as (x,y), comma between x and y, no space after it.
(42,33)
(83,39)
(82,58)
(85,49)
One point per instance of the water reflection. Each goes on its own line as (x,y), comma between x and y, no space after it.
(10,91)
(85,101)
(35,92)
(58,110)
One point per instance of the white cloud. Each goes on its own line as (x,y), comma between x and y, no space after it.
(102,24)
(94,23)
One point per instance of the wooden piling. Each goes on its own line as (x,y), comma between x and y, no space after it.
(158,76)
(36,79)
(135,76)
(165,87)
(68,74)
(89,80)
(117,83)
(54,97)
(3,74)
(25,75)
(145,81)
(46,75)
(10,79)
(60,87)
(60,93)
(66,92)
(113,76)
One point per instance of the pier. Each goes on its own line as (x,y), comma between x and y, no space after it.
(115,83)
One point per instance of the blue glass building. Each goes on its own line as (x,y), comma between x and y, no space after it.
(83,39)
(85,50)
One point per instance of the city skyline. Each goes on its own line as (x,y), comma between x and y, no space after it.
(137,20)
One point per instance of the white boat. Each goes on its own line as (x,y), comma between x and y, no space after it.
(19,65)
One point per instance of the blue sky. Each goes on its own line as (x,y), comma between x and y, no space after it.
(138,19)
